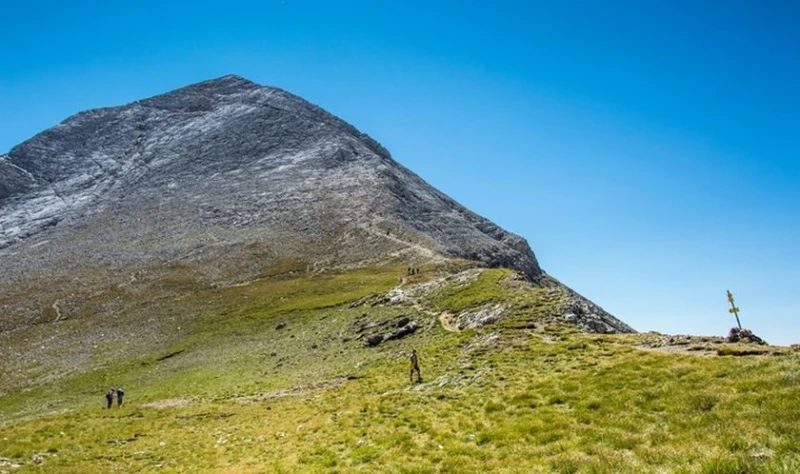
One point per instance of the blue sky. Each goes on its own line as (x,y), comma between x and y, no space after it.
(648,151)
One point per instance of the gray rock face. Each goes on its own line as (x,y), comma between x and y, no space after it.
(219,167)
(586,315)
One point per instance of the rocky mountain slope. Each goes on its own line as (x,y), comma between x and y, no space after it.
(228,181)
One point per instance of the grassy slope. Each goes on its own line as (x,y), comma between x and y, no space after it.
(240,395)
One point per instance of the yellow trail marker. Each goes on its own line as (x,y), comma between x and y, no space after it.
(734,310)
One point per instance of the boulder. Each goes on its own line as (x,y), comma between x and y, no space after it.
(373,340)
(402,332)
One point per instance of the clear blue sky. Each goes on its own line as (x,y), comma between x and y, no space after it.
(648,151)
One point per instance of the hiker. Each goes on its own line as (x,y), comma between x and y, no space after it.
(110,397)
(120,393)
(415,367)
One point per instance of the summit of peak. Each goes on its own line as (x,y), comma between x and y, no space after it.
(230,80)
(201,95)
(229,84)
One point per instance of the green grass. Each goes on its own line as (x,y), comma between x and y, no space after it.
(485,289)
(239,395)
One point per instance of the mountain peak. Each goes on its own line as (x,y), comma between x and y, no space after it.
(235,177)
(228,152)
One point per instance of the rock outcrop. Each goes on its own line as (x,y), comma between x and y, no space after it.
(744,335)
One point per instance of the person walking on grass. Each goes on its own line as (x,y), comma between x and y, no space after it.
(109,397)
(120,393)
(415,367)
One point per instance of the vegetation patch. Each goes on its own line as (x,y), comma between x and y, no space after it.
(459,296)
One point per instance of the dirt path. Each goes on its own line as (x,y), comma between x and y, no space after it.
(412,297)
(447,320)
(410,246)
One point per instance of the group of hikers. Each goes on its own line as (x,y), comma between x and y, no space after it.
(110,396)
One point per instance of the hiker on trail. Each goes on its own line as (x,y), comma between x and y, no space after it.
(120,393)
(110,397)
(415,366)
